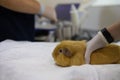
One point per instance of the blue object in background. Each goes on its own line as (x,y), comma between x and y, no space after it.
(63,11)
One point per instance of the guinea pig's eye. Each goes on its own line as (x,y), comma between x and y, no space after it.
(61,50)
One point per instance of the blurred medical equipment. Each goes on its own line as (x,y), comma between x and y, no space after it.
(75,19)
(71,17)
(44,31)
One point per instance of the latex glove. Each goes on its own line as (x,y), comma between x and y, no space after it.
(48,12)
(96,42)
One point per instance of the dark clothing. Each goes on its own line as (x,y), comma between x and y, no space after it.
(16,26)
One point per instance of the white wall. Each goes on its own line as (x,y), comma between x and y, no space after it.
(102,15)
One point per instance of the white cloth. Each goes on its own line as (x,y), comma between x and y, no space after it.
(24,60)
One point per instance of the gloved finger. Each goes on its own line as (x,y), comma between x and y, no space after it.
(87,58)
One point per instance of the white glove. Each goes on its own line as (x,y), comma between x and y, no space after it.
(48,12)
(96,42)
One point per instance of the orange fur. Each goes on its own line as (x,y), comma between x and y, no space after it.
(69,53)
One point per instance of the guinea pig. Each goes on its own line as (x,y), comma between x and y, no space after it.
(68,53)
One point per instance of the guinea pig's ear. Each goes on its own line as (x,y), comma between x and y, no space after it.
(66,52)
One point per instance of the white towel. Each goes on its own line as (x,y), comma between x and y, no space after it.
(33,61)
(108,72)
(84,72)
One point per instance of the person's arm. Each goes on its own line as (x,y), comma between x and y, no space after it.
(114,30)
(24,6)
(30,7)
(104,37)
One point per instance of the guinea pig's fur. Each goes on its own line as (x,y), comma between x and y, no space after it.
(69,53)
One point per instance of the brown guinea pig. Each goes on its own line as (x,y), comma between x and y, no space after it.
(69,53)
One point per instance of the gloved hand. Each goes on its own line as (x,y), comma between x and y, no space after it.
(48,12)
(96,42)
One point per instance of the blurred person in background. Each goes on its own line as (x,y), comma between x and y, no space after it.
(17,18)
